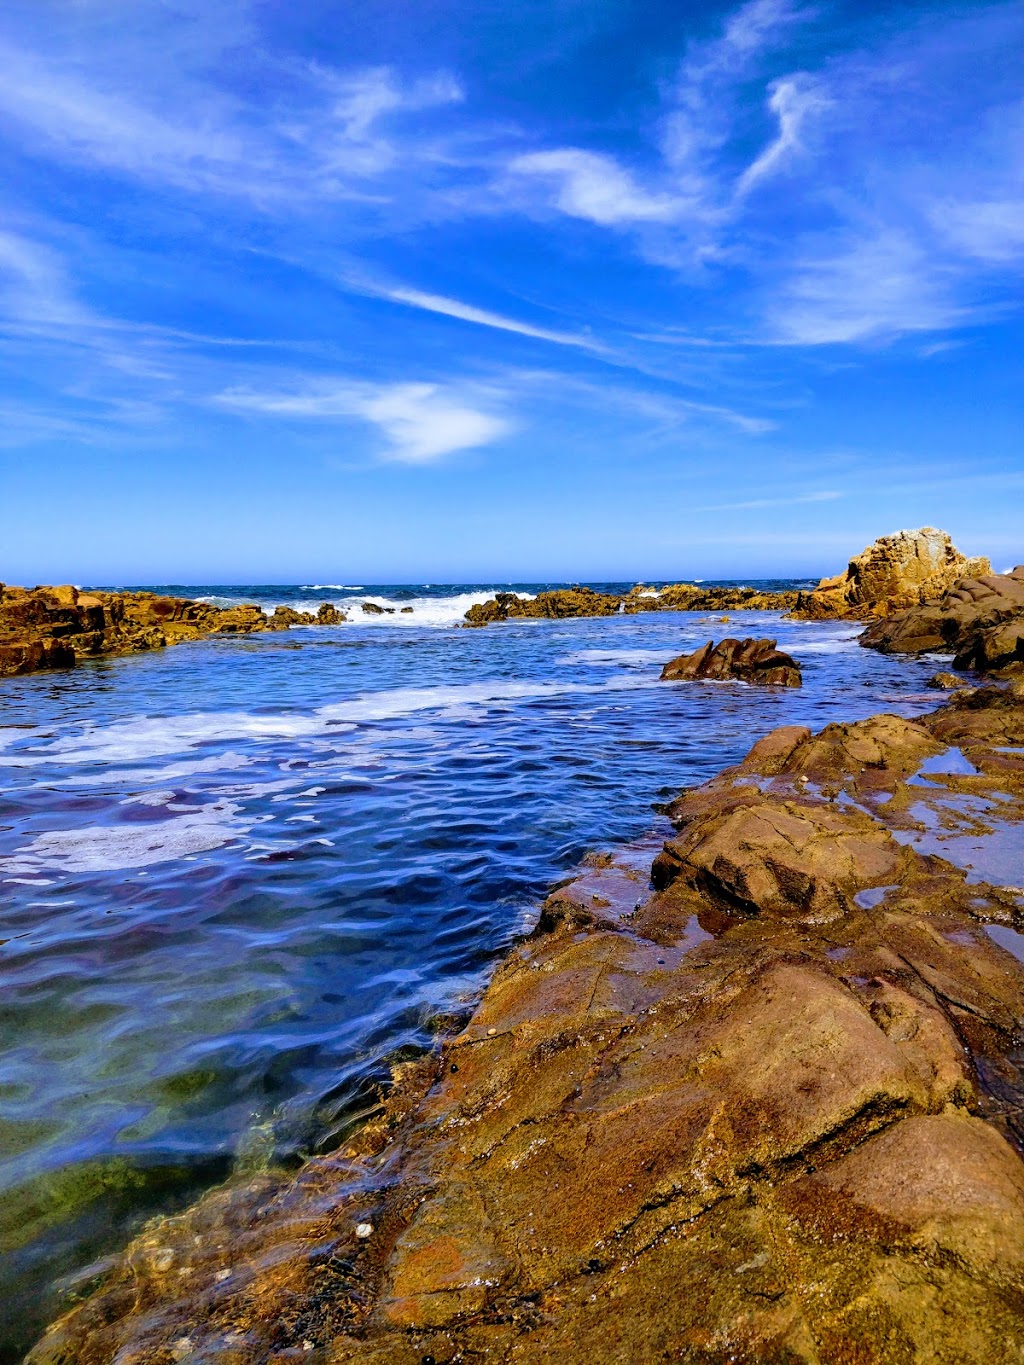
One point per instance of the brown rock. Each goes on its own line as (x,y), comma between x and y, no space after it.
(52,627)
(752,661)
(329,615)
(945,682)
(981,620)
(756,1117)
(897,571)
(284,617)
(569,602)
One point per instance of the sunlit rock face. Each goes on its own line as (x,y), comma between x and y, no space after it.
(979,620)
(52,627)
(765,1106)
(895,572)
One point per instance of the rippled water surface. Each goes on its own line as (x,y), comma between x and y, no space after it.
(239,875)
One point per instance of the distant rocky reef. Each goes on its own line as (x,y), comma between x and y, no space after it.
(564,602)
(55,627)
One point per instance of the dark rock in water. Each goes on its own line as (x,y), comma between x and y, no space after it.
(406,609)
(751,661)
(770,1111)
(945,682)
(981,619)
(372,609)
(894,572)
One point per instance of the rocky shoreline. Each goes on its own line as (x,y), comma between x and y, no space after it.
(55,627)
(760,1103)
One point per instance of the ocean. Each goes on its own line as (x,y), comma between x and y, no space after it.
(243,876)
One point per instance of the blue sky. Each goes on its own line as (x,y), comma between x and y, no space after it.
(376,290)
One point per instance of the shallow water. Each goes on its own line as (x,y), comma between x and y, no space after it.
(240,875)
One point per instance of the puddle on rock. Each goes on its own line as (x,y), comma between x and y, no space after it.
(1007,938)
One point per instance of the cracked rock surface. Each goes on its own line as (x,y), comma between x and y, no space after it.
(765,1106)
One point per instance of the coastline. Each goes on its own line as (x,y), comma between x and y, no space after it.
(791,1071)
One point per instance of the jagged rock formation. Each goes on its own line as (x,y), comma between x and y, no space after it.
(750,661)
(53,627)
(894,572)
(981,620)
(566,602)
(769,1111)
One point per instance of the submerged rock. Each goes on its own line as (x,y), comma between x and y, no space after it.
(751,661)
(894,572)
(769,1111)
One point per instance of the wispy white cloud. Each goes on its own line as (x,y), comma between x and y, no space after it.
(422,422)
(34,289)
(793,100)
(758,504)
(330,136)
(874,286)
(593,186)
(483,317)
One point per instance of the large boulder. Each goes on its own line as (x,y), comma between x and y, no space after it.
(980,620)
(898,571)
(750,661)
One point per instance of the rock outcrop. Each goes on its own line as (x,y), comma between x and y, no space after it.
(769,1111)
(750,661)
(569,602)
(980,620)
(54,627)
(895,572)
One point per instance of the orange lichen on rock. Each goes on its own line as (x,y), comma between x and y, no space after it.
(767,1109)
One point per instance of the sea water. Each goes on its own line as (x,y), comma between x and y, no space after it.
(242,876)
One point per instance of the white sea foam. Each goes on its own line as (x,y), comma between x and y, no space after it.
(109,847)
(332,587)
(151,737)
(426,611)
(616,658)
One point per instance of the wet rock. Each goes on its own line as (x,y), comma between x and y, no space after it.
(895,572)
(284,617)
(751,661)
(54,627)
(569,602)
(770,1110)
(945,682)
(329,615)
(373,609)
(981,620)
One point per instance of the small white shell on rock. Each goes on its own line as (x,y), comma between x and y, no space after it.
(364,1230)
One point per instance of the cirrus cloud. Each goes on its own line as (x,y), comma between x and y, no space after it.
(422,422)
